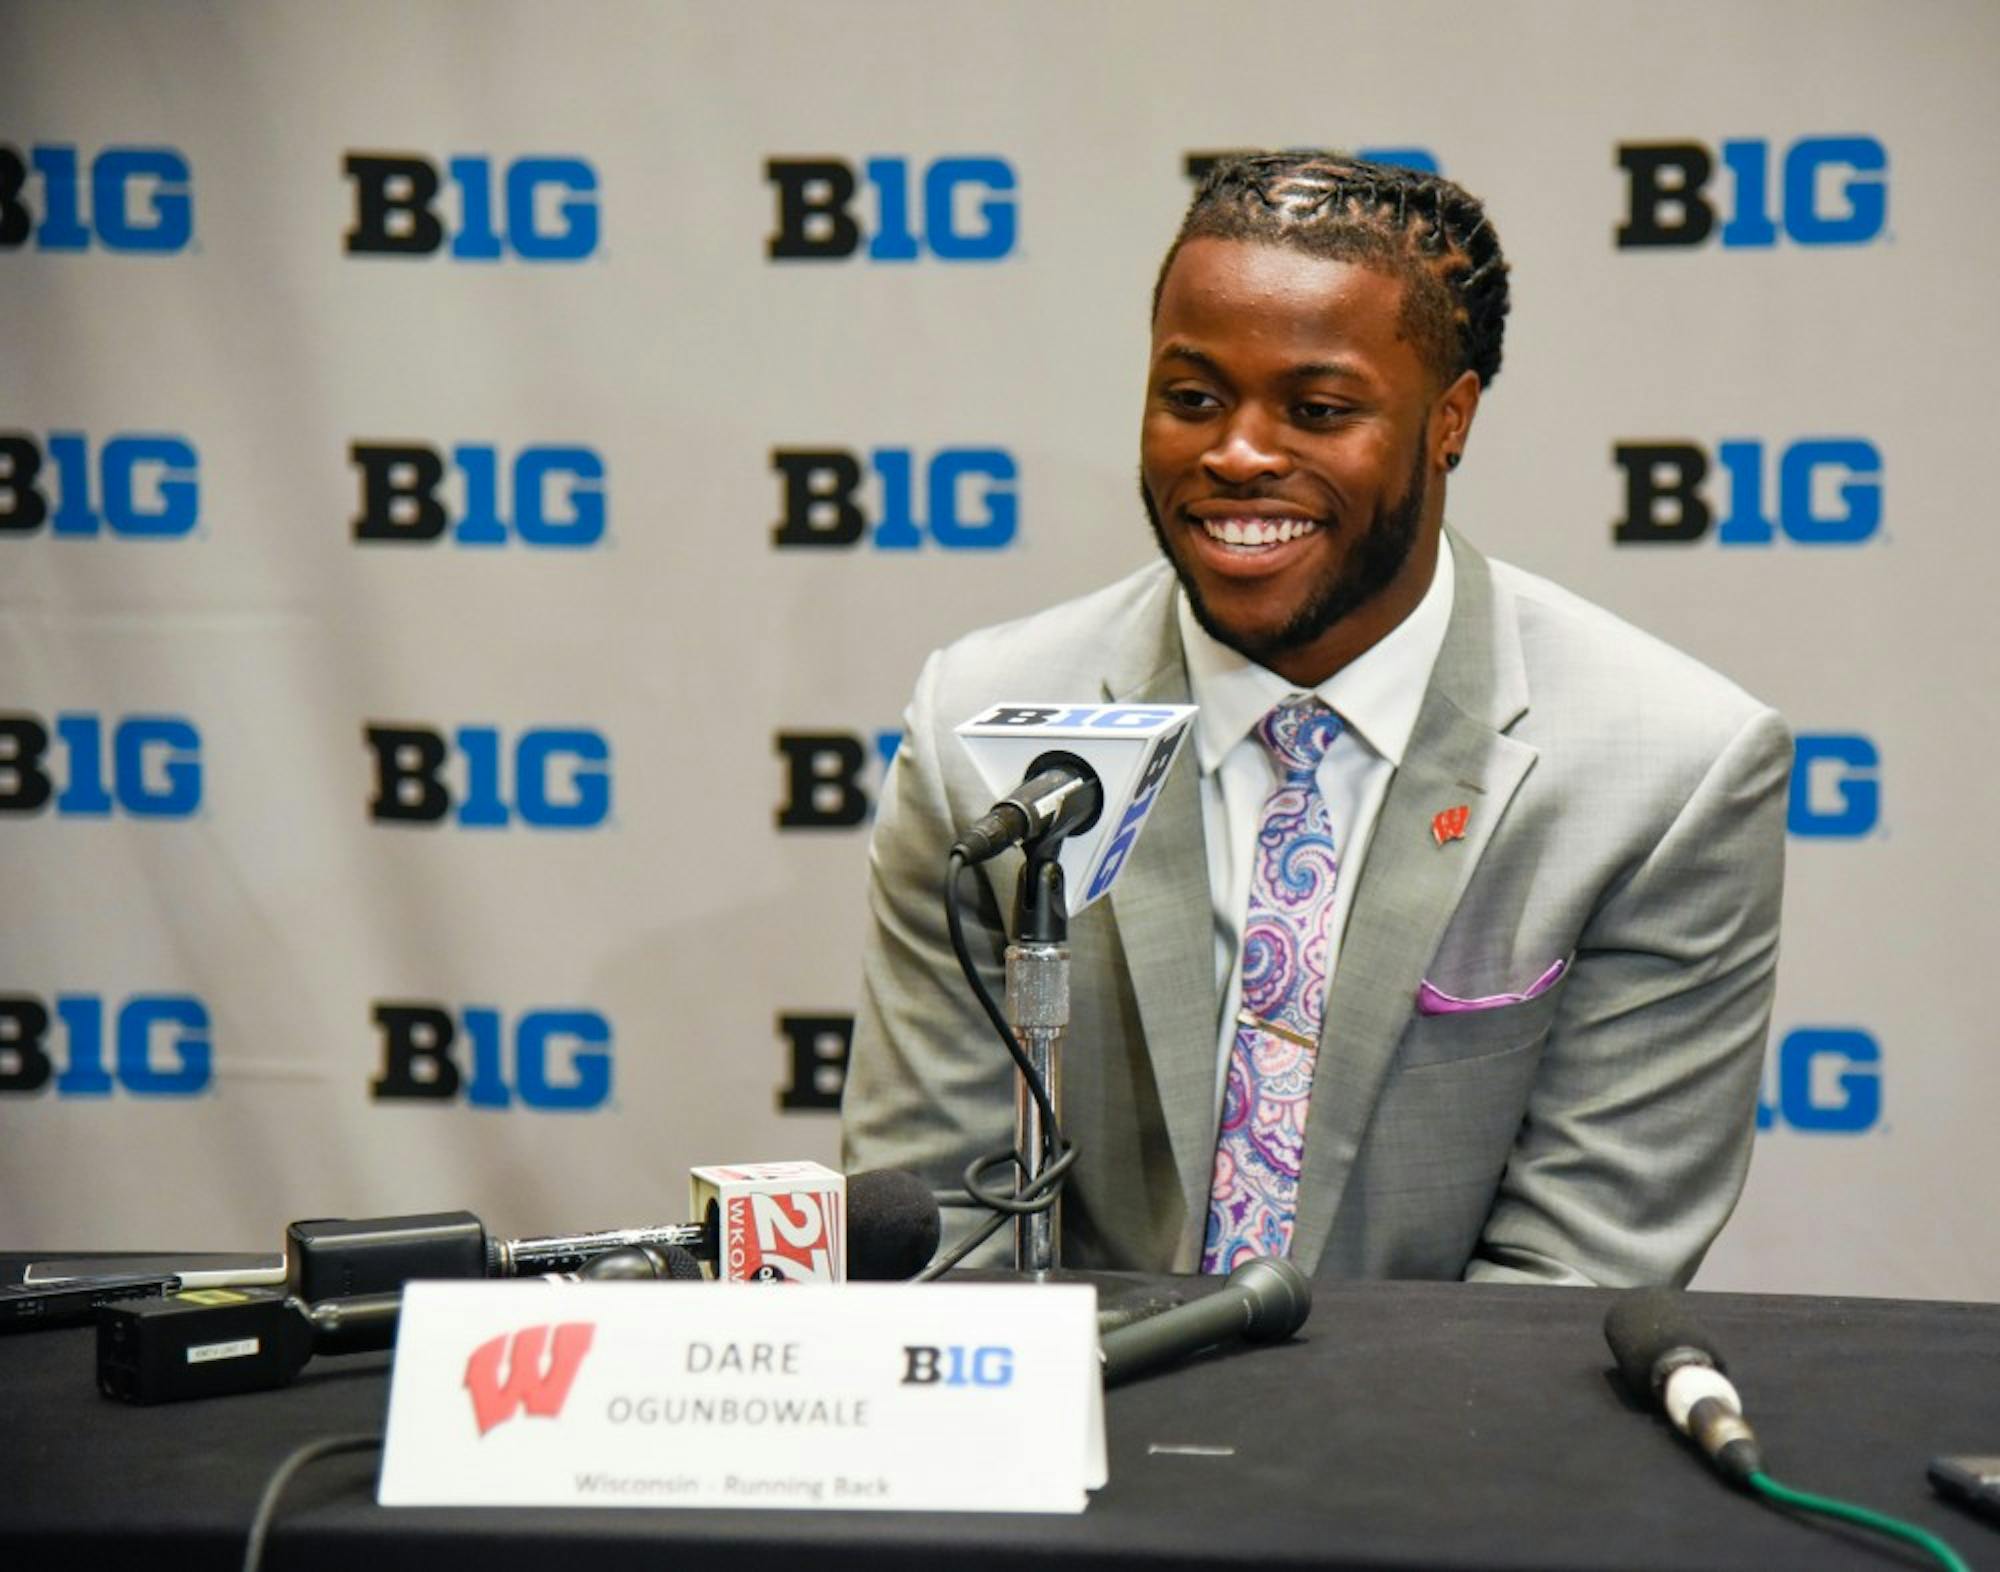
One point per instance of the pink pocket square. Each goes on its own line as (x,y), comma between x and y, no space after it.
(1433,1000)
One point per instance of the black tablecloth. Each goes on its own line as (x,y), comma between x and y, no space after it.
(1411,1425)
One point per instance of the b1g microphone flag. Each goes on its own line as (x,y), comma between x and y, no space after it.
(1130,747)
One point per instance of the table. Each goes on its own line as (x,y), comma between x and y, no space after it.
(1410,1425)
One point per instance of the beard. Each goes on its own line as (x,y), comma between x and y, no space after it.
(1369,568)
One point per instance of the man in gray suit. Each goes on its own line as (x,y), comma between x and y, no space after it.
(1552,846)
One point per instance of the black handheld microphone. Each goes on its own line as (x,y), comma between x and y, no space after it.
(1060,795)
(1264,1301)
(1665,1355)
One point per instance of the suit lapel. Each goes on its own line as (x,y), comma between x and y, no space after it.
(1410,886)
(1166,928)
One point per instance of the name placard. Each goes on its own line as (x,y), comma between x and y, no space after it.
(896,1396)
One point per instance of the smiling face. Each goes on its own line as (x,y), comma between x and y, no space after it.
(1293,451)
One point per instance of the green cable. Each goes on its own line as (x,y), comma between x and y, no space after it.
(1784,1495)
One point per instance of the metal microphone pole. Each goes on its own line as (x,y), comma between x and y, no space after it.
(1038,1009)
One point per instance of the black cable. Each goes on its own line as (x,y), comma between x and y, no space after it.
(267,1503)
(1058,1155)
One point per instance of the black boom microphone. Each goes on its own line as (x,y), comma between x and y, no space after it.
(1264,1301)
(1060,794)
(1666,1356)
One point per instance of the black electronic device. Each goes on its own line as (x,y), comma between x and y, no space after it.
(27,1307)
(214,1342)
(1970,1482)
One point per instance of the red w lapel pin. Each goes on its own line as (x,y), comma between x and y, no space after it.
(1450,824)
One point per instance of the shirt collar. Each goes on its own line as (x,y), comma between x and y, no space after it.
(1377,694)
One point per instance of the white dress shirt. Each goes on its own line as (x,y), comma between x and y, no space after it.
(1376,696)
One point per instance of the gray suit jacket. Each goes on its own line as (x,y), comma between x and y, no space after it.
(1627,815)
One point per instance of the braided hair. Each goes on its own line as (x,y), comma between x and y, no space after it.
(1416,226)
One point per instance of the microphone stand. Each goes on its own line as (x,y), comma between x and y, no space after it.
(1038,1008)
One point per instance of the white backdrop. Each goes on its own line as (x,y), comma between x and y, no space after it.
(194,336)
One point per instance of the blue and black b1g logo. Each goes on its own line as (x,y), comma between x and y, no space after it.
(554,496)
(83,1045)
(541,209)
(134,486)
(1827,491)
(89,766)
(552,777)
(1828,191)
(892,209)
(555,1059)
(832,777)
(1836,790)
(138,201)
(969,501)
(955,1364)
(1825,1080)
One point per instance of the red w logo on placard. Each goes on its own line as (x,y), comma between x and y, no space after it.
(540,1389)
(1450,824)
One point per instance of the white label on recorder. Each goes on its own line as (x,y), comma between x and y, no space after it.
(209,1352)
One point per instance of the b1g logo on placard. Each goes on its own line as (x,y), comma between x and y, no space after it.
(1827,490)
(552,1059)
(135,200)
(553,496)
(954,209)
(832,777)
(785,1238)
(1197,165)
(554,777)
(153,1045)
(816,1051)
(970,503)
(954,1364)
(541,209)
(1836,790)
(1824,1080)
(1829,191)
(95,766)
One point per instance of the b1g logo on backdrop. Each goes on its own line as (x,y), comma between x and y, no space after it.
(473,208)
(892,209)
(145,487)
(1823,191)
(1197,165)
(87,766)
(1836,790)
(83,1045)
(135,200)
(551,496)
(553,1059)
(832,777)
(1812,491)
(1825,1080)
(547,778)
(816,1050)
(970,502)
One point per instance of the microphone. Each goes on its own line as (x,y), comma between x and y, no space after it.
(1265,1300)
(1062,795)
(1664,1354)
(892,1231)
(1087,773)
